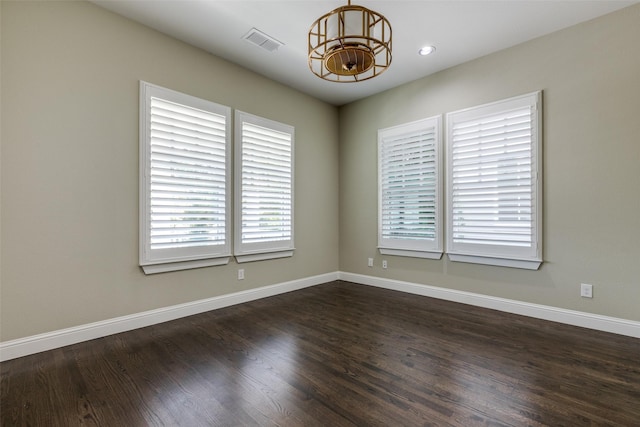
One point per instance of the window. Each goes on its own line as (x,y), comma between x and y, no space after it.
(184,181)
(264,188)
(494,209)
(409,195)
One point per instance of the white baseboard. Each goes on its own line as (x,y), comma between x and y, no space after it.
(576,318)
(60,338)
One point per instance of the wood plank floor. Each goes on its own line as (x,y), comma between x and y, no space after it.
(337,354)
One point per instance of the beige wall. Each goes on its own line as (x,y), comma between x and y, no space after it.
(69,167)
(69,200)
(590,75)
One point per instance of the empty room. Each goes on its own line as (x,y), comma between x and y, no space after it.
(319,213)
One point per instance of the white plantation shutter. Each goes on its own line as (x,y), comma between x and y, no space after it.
(188,177)
(264,188)
(494,207)
(409,196)
(184,185)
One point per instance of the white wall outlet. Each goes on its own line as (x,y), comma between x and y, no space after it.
(241,274)
(586,291)
(384,263)
(370,262)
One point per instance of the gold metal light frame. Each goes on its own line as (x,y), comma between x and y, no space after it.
(350,44)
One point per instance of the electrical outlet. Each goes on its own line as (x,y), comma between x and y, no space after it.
(384,263)
(370,262)
(586,291)
(241,274)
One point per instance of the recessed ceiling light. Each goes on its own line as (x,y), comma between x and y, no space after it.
(427,50)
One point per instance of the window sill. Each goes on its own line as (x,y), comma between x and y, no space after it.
(263,256)
(501,262)
(412,254)
(184,265)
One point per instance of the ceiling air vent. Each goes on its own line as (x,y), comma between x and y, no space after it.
(262,40)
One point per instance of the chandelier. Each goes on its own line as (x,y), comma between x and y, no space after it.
(350,44)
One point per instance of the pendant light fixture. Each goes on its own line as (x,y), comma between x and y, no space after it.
(350,44)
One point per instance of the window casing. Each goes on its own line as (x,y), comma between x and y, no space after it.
(494,200)
(184,181)
(409,189)
(264,165)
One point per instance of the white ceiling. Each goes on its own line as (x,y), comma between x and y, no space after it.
(460,30)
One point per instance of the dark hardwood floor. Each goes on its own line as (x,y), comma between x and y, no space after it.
(338,354)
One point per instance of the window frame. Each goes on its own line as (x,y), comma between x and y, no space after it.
(416,247)
(163,260)
(257,251)
(501,255)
